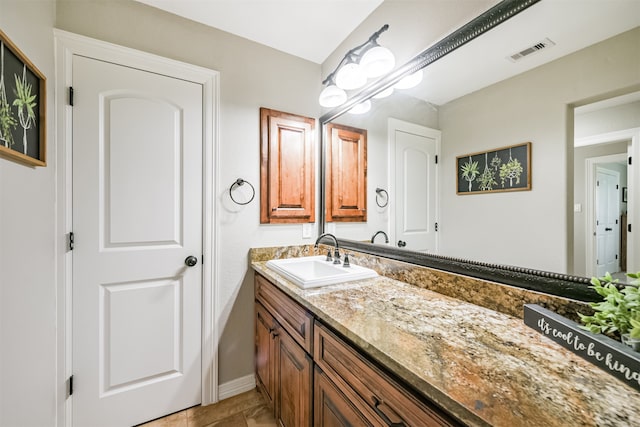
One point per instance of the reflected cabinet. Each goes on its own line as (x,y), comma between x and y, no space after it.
(346,181)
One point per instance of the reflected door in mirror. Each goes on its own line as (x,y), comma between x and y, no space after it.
(415,186)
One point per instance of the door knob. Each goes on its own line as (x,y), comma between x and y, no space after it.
(402,243)
(190,261)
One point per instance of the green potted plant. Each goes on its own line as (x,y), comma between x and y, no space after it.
(618,314)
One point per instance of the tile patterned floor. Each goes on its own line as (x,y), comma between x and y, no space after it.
(244,410)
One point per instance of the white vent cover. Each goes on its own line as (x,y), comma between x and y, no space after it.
(541,45)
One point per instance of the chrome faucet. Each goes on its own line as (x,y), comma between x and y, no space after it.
(336,252)
(386,238)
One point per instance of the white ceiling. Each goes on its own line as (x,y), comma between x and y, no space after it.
(313,29)
(571,24)
(309,29)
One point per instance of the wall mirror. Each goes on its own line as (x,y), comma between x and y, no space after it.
(512,75)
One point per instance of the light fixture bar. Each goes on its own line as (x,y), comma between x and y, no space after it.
(356,53)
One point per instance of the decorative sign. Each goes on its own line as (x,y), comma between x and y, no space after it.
(22,107)
(609,355)
(501,169)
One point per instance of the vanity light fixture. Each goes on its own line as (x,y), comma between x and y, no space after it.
(368,60)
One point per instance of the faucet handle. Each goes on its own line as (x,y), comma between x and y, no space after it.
(336,256)
(346,263)
(329,256)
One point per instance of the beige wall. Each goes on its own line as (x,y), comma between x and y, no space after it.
(528,228)
(251,76)
(27,222)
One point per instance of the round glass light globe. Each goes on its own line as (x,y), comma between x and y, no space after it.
(377,61)
(350,76)
(410,81)
(361,108)
(388,91)
(332,96)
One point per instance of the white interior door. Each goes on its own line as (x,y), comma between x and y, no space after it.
(415,185)
(137,215)
(607,225)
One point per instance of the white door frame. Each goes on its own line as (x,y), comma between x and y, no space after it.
(69,44)
(393,125)
(633,205)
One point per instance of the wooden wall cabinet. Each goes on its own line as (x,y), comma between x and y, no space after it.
(346,180)
(287,167)
(311,375)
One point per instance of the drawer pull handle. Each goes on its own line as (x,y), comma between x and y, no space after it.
(376,407)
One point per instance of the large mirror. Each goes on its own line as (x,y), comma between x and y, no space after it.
(558,74)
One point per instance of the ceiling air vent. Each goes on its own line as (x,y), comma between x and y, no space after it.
(544,44)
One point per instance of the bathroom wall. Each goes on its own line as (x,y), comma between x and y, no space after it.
(527,228)
(251,76)
(27,268)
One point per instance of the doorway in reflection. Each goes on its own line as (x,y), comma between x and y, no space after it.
(605,134)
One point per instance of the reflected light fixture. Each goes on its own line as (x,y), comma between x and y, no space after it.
(361,108)
(368,60)
(383,94)
(410,81)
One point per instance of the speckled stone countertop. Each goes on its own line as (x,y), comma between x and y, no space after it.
(482,366)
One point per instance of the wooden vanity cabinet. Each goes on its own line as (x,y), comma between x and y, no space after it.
(382,399)
(284,366)
(311,375)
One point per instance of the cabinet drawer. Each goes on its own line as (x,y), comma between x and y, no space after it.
(392,404)
(291,316)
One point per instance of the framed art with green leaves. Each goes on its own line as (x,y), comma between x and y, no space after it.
(22,107)
(501,169)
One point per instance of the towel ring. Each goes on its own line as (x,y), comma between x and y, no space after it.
(239,182)
(379,191)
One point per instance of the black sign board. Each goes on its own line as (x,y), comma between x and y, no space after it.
(609,355)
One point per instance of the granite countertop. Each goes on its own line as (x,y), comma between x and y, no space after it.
(482,366)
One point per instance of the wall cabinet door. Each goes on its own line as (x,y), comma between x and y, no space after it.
(287,167)
(346,184)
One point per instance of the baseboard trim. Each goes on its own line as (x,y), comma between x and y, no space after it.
(237,386)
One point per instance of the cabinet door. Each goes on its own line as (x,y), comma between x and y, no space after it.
(265,353)
(293,407)
(331,407)
(346,198)
(287,168)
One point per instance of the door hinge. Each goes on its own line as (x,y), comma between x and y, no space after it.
(616,256)
(202,259)
(436,159)
(72,241)
(617,187)
(629,228)
(436,226)
(71,95)
(629,159)
(597,183)
(70,385)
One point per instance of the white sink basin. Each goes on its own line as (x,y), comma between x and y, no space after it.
(314,271)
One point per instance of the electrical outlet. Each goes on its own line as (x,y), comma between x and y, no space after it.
(307,229)
(577,207)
